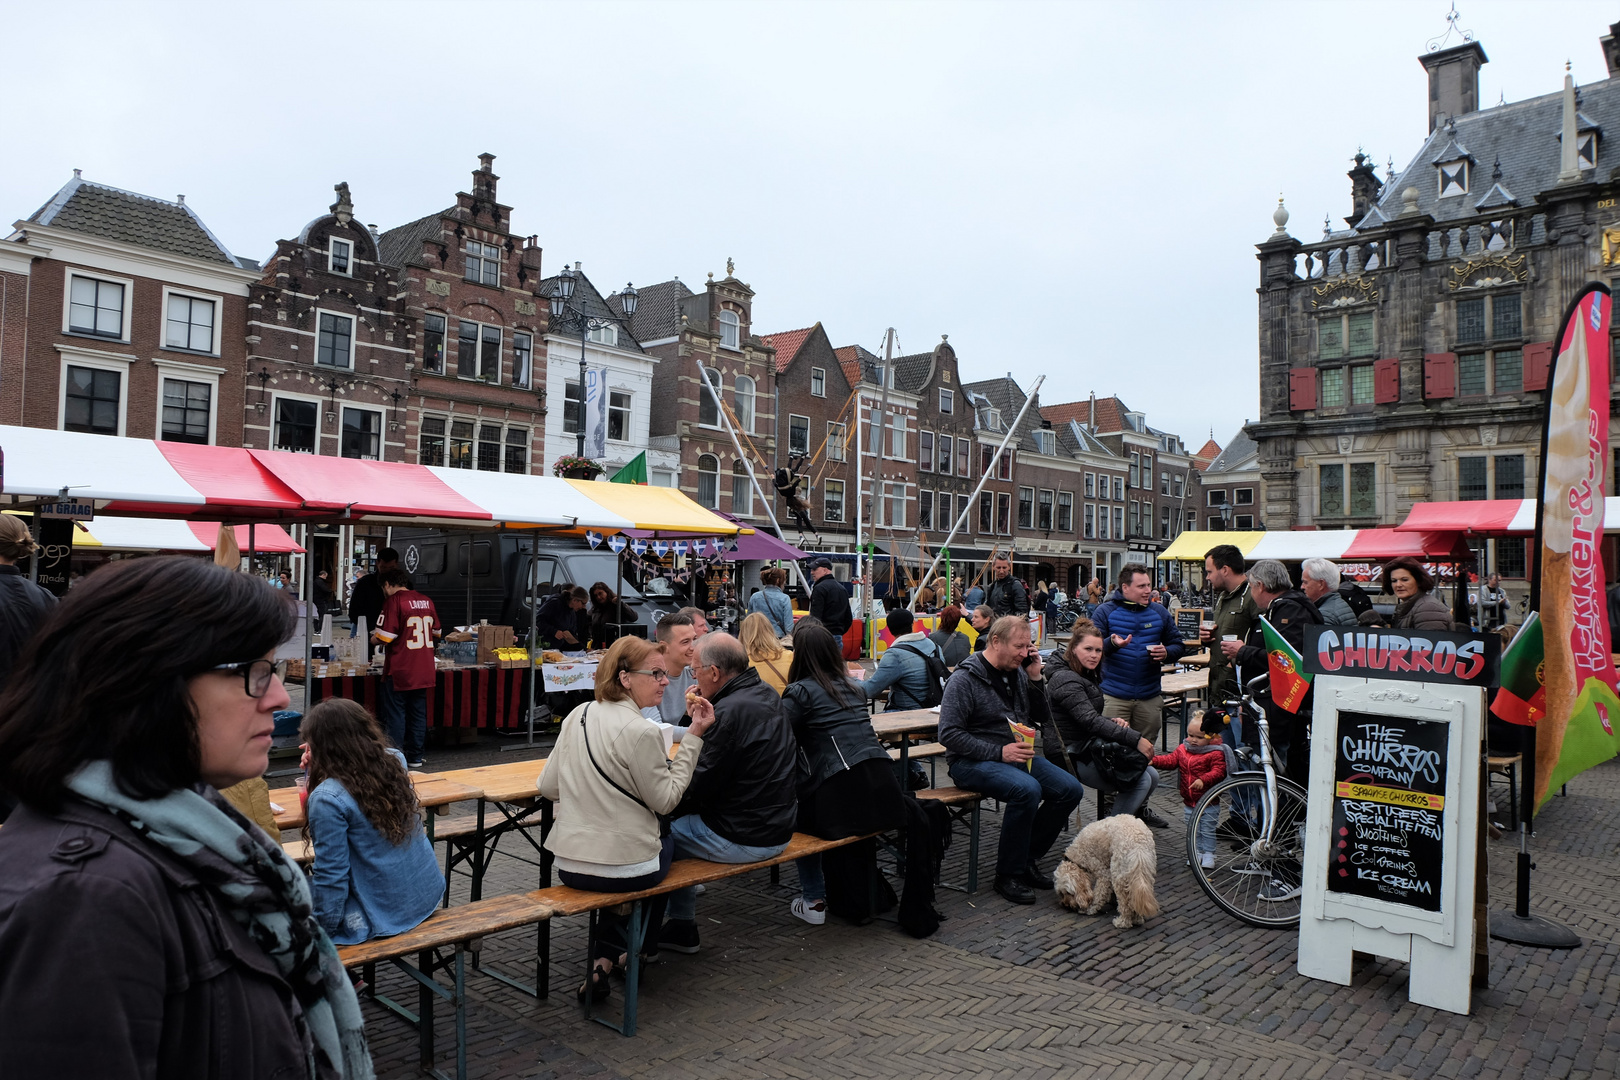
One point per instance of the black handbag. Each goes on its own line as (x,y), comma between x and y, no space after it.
(1120,765)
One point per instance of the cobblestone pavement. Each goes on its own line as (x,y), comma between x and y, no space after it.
(1038,992)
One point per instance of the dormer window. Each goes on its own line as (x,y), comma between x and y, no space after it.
(338,255)
(730,330)
(1046,442)
(1453,178)
(1586,149)
(604,335)
(992,419)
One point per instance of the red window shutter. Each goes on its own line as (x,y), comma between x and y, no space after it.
(1537,363)
(1387,382)
(1439,375)
(1301,389)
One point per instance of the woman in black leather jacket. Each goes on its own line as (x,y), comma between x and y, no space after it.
(847,786)
(1074,693)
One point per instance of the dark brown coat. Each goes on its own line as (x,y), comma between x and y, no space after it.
(117,963)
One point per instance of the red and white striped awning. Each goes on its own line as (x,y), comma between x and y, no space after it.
(1489,517)
(143,478)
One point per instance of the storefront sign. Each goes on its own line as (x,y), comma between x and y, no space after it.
(68,511)
(1406,655)
(55,554)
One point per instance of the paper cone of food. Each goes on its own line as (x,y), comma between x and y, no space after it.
(1025,734)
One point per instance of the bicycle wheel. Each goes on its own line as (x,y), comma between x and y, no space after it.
(1255,879)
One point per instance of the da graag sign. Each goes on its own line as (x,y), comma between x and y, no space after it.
(1408,656)
(1389,800)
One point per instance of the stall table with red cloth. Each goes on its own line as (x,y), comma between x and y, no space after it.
(467,697)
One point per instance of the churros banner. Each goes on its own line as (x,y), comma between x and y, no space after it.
(1578,674)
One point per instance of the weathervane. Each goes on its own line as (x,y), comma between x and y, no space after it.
(1438,43)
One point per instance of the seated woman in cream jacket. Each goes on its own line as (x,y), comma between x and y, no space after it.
(610,779)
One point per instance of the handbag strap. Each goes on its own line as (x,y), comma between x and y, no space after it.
(775,670)
(587,733)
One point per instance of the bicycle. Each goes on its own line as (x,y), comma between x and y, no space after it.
(1258,878)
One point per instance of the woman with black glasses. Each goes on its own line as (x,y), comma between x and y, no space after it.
(131,893)
(611,781)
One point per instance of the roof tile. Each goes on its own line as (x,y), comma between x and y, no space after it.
(787,344)
(129,218)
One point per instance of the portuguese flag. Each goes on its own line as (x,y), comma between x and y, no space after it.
(1523,697)
(1289,683)
(634,471)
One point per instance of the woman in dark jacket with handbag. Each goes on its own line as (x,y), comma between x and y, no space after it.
(847,786)
(147,929)
(1074,692)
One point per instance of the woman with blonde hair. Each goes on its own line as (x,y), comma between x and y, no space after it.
(613,785)
(765,652)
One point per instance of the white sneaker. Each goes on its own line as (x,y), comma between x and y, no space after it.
(814,914)
(1207,860)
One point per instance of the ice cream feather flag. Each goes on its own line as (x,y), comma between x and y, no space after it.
(1523,697)
(634,471)
(1578,674)
(1289,683)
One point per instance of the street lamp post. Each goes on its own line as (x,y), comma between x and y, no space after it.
(564,313)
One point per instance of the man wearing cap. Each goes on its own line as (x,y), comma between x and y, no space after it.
(828,600)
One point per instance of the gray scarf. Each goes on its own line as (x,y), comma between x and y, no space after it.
(265,892)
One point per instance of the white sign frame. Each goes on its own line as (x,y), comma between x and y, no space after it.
(1439,945)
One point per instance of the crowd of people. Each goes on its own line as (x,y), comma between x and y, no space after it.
(130,711)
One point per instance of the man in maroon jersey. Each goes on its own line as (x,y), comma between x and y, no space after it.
(408,626)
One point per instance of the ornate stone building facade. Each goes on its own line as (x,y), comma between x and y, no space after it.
(1403,359)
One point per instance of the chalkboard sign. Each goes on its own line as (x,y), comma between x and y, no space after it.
(55,554)
(1187,620)
(1389,795)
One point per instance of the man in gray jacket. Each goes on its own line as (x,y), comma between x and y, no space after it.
(986,694)
(1319,580)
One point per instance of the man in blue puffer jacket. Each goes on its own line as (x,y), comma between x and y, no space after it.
(1139,637)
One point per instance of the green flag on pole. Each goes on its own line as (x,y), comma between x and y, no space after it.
(634,471)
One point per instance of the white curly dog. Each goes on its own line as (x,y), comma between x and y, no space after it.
(1112,857)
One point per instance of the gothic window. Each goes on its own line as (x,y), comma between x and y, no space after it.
(1453,178)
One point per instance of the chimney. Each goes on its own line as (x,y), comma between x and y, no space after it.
(1364,188)
(484,177)
(1453,80)
(1611,49)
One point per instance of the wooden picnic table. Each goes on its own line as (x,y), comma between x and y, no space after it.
(432,789)
(904,723)
(1184,684)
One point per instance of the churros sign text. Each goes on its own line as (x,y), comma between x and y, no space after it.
(1430,657)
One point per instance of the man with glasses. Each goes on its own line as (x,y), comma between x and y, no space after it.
(407,627)
(740,806)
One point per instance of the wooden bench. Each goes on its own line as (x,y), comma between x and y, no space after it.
(457,929)
(964,807)
(461,837)
(932,750)
(461,929)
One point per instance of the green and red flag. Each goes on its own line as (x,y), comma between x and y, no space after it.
(1523,697)
(634,471)
(1289,683)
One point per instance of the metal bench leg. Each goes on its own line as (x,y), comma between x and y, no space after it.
(424,1010)
(973,852)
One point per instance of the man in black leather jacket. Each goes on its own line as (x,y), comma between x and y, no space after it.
(1006,595)
(1289,611)
(828,600)
(740,806)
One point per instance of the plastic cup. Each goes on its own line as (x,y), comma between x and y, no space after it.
(303,791)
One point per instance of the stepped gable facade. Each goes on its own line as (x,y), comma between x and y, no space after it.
(472,289)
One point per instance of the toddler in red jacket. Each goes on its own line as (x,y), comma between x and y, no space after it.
(1200,762)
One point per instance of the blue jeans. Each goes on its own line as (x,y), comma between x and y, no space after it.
(812,881)
(695,840)
(1038,804)
(410,735)
(1206,829)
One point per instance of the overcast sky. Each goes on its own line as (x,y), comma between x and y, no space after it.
(1070,189)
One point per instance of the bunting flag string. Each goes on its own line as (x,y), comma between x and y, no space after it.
(616,543)
(639,546)
(660,548)
(681,547)
(593,538)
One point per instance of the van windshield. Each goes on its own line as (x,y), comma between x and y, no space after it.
(586,568)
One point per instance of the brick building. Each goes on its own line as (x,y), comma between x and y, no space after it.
(711,329)
(1403,359)
(815,402)
(471,290)
(329,346)
(945,451)
(121,314)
